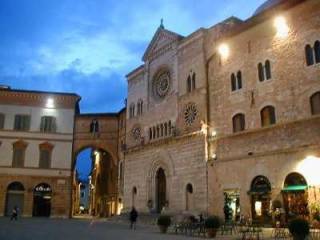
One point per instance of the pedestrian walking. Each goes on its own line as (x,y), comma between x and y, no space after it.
(14,214)
(133,218)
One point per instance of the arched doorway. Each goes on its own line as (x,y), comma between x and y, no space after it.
(189,197)
(14,198)
(134,195)
(42,200)
(161,189)
(260,192)
(295,196)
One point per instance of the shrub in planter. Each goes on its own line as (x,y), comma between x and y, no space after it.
(299,228)
(164,222)
(212,224)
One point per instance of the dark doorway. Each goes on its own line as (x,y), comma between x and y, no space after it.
(161,189)
(260,199)
(42,200)
(14,198)
(295,196)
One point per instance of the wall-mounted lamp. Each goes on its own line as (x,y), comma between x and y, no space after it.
(224,50)
(281,26)
(50,103)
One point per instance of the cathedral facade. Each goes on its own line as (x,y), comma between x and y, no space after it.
(228,117)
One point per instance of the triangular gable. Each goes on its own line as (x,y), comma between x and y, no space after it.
(161,38)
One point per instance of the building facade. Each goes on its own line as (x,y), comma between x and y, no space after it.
(36,140)
(226,120)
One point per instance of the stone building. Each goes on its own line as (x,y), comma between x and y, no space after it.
(36,135)
(226,120)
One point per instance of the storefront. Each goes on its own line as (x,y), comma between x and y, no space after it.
(260,193)
(295,196)
(42,200)
(231,207)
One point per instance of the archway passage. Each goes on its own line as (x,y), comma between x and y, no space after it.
(95,184)
(161,189)
(295,196)
(14,198)
(260,192)
(42,200)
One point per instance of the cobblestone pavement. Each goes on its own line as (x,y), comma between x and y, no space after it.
(81,229)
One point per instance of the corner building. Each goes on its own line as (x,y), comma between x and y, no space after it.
(36,138)
(228,117)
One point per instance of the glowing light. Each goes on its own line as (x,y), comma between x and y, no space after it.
(309,167)
(224,50)
(50,103)
(281,25)
(213,133)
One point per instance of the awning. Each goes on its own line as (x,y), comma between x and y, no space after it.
(295,188)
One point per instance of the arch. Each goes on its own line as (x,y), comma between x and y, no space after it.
(14,198)
(315,103)
(238,122)
(317,51)
(42,194)
(239,80)
(295,196)
(260,191)
(267,115)
(309,55)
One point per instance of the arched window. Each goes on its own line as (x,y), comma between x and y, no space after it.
(315,103)
(19,149)
(140,107)
(150,133)
(131,110)
(94,126)
(189,197)
(165,129)
(193,81)
(189,84)
(268,116)
(238,122)
(317,51)
(309,55)
(233,82)
(267,67)
(239,80)
(260,72)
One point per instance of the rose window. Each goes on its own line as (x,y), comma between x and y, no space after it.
(190,113)
(136,133)
(161,84)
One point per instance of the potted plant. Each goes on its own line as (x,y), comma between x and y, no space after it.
(212,224)
(163,221)
(299,228)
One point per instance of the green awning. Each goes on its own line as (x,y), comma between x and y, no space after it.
(295,188)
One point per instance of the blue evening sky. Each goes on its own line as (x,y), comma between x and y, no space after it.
(88,46)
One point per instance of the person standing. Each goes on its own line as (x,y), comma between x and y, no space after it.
(133,218)
(14,214)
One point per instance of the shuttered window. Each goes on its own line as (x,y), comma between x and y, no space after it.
(22,122)
(48,124)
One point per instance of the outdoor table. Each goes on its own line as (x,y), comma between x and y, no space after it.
(280,233)
(315,234)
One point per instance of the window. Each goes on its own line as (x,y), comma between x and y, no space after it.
(2,117)
(236,81)
(131,110)
(140,107)
(309,55)
(238,122)
(48,124)
(268,116)
(82,195)
(315,103)
(45,150)
(22,122)
(94,126)
(317,51)
(19,149)
(191,81)
(267,68)
(264,71)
